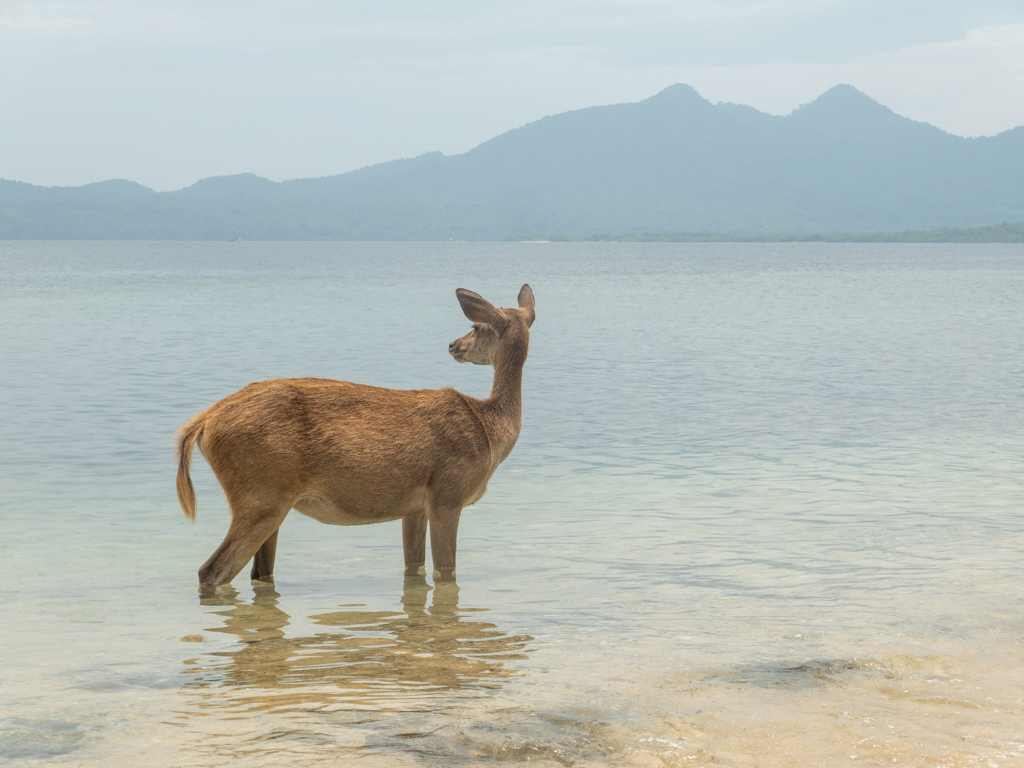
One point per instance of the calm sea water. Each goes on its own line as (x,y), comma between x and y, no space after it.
(767,509)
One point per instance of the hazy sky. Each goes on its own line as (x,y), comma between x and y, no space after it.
(165,92)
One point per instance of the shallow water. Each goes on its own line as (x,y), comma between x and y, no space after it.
(766,510)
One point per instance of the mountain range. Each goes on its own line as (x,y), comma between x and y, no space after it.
(674,162)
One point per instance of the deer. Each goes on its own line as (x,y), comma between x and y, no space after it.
(354,454)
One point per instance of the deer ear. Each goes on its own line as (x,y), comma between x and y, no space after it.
(478,309)
(526,302)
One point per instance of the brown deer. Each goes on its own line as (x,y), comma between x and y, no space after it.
(351,454)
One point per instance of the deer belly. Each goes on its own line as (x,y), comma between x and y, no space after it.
(346,512)
(477,495)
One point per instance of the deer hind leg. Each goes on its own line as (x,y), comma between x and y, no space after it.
(414,542)
(444,533)
(263,562)
(252,524)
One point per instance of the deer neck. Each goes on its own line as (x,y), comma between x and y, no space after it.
(503,411)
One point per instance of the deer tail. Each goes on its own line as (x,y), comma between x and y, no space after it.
(187,437)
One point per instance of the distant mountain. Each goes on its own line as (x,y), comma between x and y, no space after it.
(672,163)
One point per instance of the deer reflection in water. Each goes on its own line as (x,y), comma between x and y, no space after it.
(364,660)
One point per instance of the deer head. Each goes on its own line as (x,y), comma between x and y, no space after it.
(491,325)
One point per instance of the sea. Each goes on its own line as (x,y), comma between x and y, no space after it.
(766,509)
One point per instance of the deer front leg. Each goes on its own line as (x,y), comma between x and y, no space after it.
(444,532)
(263,562)
(414,542)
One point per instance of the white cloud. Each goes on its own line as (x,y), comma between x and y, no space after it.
(969,87)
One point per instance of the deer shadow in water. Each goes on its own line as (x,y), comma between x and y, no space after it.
(351,454)
(361,659)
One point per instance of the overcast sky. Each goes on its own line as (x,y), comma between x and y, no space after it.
(165,92)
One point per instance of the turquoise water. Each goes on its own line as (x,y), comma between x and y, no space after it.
(766,510)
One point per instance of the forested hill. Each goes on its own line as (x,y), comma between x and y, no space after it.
(672,163)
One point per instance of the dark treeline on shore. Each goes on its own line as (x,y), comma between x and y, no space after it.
(999,233)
